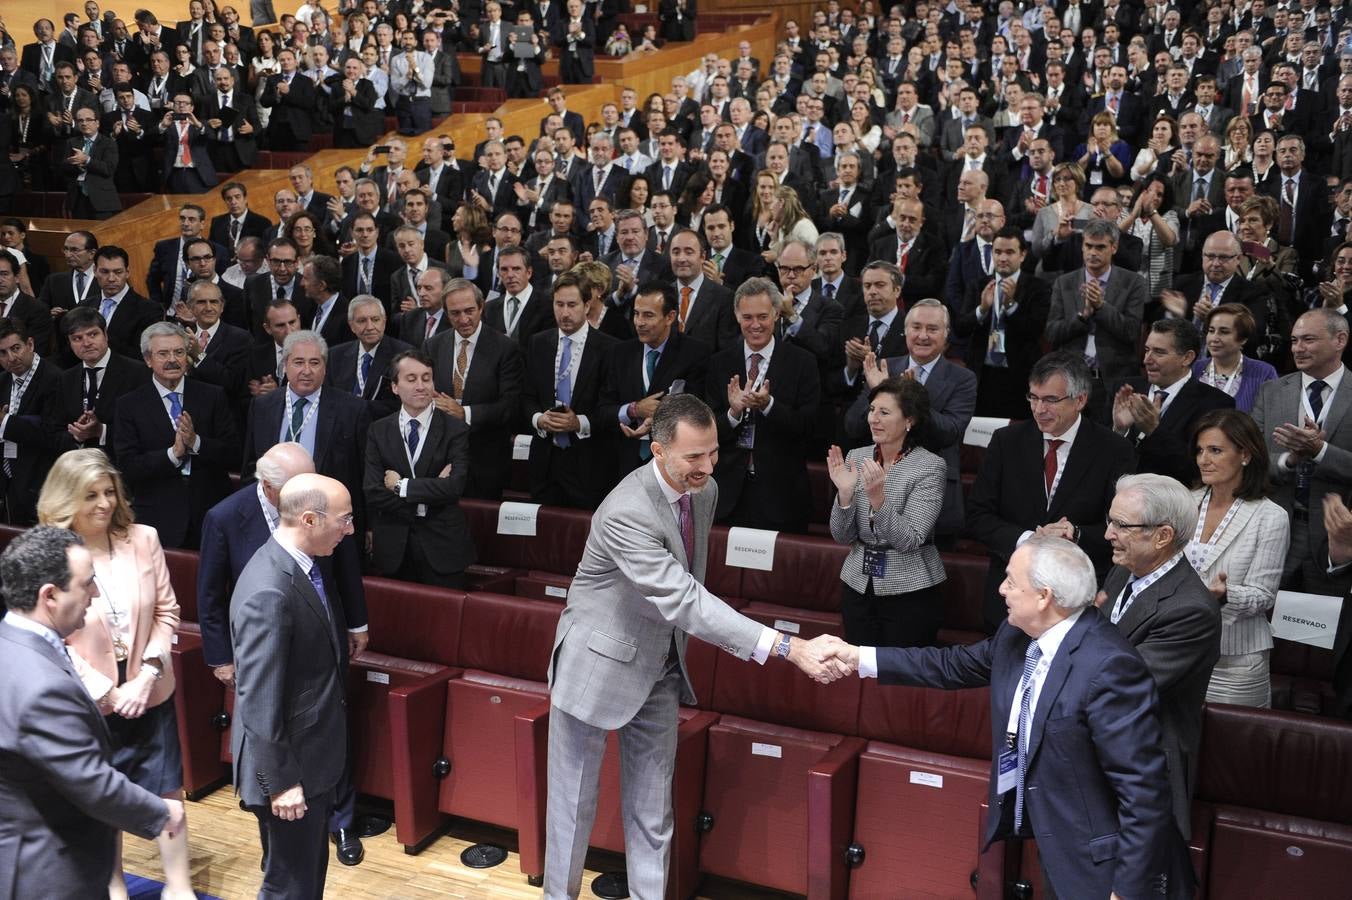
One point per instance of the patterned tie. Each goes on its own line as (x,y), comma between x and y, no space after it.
(687,524)
(431,325)
(79,286)
(297,419)
(203,338)
(413,427)
(685,306)
(366,275)
(829,291)
(1160,397)
(874,337)
(461,364)
(513,305)
(1287,218)
(175,406)
(1199,189)
(317,581)
(1030,661)
(1049,464)
(366,360)
(92,386)
(563,388)
(106,309)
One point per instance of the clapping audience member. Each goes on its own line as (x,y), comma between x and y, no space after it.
(1227,330)
(1238,548)
(888,497)
(122,652)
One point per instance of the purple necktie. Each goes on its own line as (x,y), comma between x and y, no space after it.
(687,523)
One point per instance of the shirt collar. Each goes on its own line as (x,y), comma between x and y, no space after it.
(292,397)
(305,562)
(473,338)
(424,418)
(1050,640)
(119,296)
(1068,435)
(888,318)
(765,352)
(164,391)
(696,284)
(1332,381)
(672,495)
(24,623)
(1173,389)
(103,360)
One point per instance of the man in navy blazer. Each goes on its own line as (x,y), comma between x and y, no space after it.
(176,465)
(1072,693)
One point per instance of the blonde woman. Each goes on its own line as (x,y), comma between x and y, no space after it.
(122,652)
(762,209)
(1237,150)
(595,285)
(1067,182)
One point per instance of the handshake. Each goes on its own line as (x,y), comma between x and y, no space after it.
(825,658)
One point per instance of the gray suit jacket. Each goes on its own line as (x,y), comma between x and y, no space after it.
(634,595)
(1175,624)
(290,723)
(952,392)
(1117,324)
(1279,403)
(64,802)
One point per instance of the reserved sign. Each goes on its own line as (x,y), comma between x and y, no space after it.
(751,548)
(1306,618)
(518,518)
(980,429)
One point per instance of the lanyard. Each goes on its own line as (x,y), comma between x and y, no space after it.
(304,423)
(1199,551)
(1228,383)
(17,388)
(1309,413)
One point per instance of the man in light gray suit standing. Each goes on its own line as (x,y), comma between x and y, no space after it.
(290,728)
(64,802)
(619,655)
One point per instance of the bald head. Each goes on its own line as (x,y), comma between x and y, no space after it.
(316,513)
(279,465)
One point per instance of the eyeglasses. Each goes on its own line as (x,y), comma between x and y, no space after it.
(180,353)
(1035,400)
(342,520)
(794,270)
(202,257)
(1127,526)
(281,262)
(1219,257)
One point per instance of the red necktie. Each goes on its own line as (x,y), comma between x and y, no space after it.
(1042,185)
(1049,464)
(184,153)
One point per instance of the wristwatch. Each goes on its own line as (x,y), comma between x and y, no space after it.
(782,646)
(153,666)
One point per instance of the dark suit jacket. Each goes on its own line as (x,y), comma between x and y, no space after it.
(1313,215)
(679,176)
(65,801)
(819,333)
(340,428)
(36,318)
(197,148)
(259,291)
(291,112)
(341,373)
(98,173)
(952,392)
(537,316)
(254,225)
(505,198)
(402,287)
(739,265)
(858,326)
(246,110)
(1104,774)
(224,362)
(1240,290)
(133,315)
(58,291)
(366,118)
(290,719)
(1168,449)
(781,436)
(683,359)
(1068,255)
(711,320)
(1175,624)
(232,532)
(162,496)
(412,328)
(167,261)
(24,428)
(122,376)
(926,263)
(849,294)
(442,533)
(582,473)
(1009,496)
(1023,331)
(383,267)
(492,392)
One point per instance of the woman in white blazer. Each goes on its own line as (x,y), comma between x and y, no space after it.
(1238,548)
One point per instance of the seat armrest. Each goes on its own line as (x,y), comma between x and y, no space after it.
(417,729)
(532,755)
(831,786)
(198,699)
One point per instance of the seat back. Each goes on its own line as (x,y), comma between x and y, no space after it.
(413,621)
(182,566)
(955,723)
(806,574)
(964,595)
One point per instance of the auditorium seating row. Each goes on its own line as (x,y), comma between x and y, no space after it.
(831,791)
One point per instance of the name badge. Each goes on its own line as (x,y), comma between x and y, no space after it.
(875,563)
(1096,176)
(1008,777)
(746,438)
(997,341)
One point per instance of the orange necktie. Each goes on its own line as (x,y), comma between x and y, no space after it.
(685,305)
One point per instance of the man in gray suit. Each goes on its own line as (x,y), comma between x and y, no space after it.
(1156,599)
(1096,310)
(64,802)
(619,655)
(290,728)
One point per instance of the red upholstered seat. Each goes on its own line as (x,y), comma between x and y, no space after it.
(964,594)
(198,700)
(806,574)
(183,576)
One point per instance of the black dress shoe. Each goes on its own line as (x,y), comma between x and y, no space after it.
(350,850)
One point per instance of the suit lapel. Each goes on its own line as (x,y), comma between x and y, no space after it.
(300,583)
(666,521)
(1342,398)
(1237,525)
(428,456)
(1077,464)
(1146,602)
(1055,680)
(323,431)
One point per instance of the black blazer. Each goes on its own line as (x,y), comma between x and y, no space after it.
(36,318)
(492,391)
(1009,496)
(739,265)
(134,315)
(1023,329)
(366,118)
(246,109)
(1175,624)
(683,359)
(781,438)
(382,268)
(1168,449)
(24,427)
(122,376)
(412,326)
(336,330)
(538,316)
(291,112)
(259,292)
(857,326)
(443,533)
(711,320)
(58,291)
(679,176)
(505,198)
(161,496)
(926,263)
(401,287)
(224,362)
(254,225)
(340,429)
(98,173)
(341,374)
(167,261)
(819,332)
(584,472)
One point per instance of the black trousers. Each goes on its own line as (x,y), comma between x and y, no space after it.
(414,114)
(911,619)
(417,567)
(295,854)
(186,180)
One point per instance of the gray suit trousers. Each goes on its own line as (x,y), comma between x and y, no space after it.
(647,766)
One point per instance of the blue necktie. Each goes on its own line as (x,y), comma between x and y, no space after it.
(1030,660)
(412,439)
(986,257)
(563,388)
(175,406)
(317,580)
(106,309)
(366,360)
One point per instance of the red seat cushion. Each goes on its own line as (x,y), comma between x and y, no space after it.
(806,574)
(957,723)
(1257,854)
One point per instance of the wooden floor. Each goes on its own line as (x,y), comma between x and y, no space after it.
(225,857)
